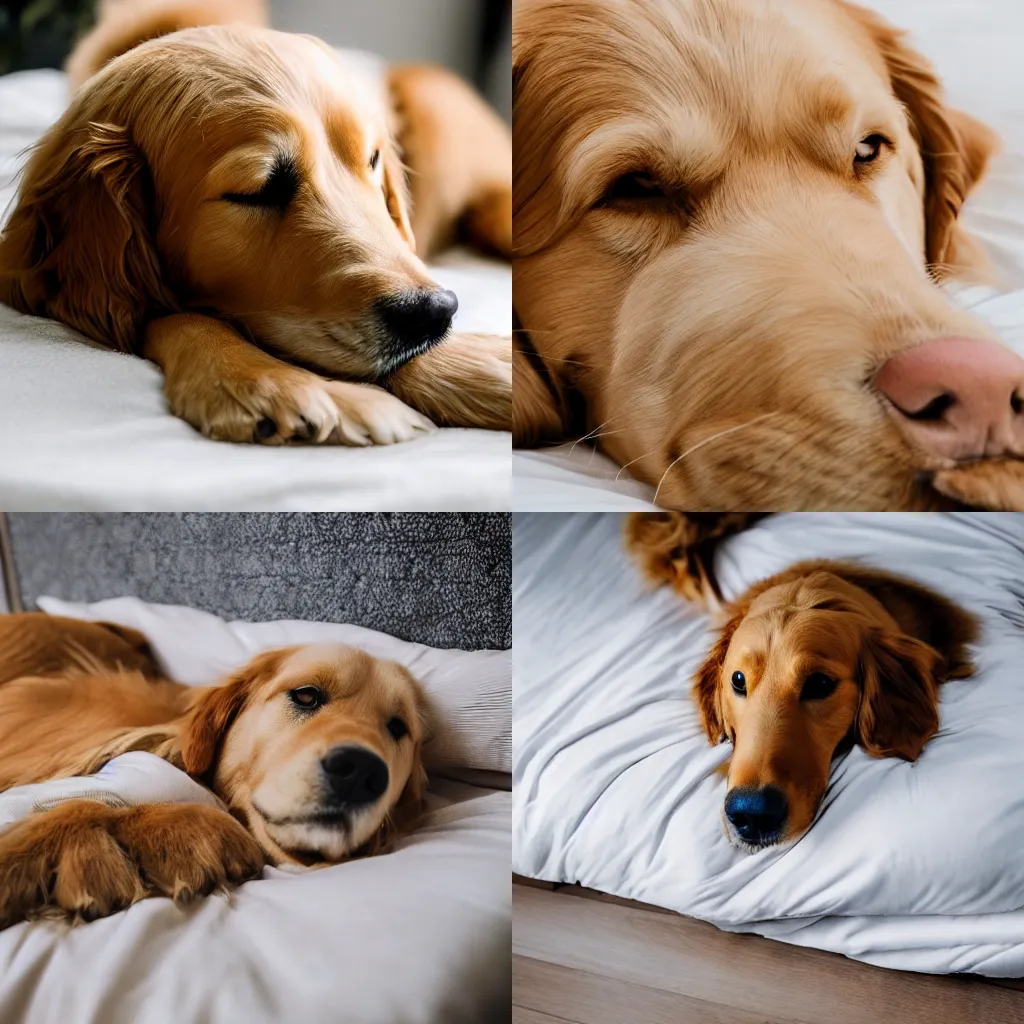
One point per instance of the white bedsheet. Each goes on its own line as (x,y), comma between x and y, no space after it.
(975,45)
(911,866)
(86,428)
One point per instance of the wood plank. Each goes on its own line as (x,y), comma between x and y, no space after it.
(779,982)
(520,1015)
(586,998)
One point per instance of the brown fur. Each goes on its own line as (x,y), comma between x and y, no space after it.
(265,321)
(69,703)
(887,641)
(719,337)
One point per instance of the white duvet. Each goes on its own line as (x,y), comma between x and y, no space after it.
(911,866)
(975,44)
(86,428)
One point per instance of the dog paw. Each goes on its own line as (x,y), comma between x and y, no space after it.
(274,405)
(188,850)
(993,484)
(66,863)
(84,860)
(370,415)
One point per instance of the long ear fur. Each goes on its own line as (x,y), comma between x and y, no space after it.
(211,716)
(78,247)
(707,681)
(899,703)
(955,148)
(407,809)
(396,192)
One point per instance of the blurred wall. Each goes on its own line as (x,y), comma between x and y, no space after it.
(446,32)
(439,31)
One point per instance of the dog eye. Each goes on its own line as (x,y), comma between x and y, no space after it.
(397,727)
(739,683)
(817,687)
(868,149)
(634,187)
(374,160)
(307,697)
(276,192)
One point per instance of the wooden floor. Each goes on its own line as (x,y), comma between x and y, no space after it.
(585,958)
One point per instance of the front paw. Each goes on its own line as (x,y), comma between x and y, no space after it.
(272,404)
(84,860)
(993,484)
(370,415)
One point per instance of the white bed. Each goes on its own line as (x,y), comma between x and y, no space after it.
(976,48)
(910,866)
(85,428)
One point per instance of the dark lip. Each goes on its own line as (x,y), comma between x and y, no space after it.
(399,353)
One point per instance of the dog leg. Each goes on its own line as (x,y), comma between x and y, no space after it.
(84,860)
(996,484)
(230,390)
(466,381)
(460,155)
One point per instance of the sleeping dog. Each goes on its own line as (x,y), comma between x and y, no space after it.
(808,663)
(231,203)
(314,751)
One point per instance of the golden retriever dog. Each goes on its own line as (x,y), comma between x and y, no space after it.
(231,202)
(732,219)
(314,751)
(810,662)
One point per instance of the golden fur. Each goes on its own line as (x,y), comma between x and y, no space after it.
(74,695)
(884,642)
(136,224)
(705,279)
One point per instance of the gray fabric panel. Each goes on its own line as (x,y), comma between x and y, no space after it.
(442,579)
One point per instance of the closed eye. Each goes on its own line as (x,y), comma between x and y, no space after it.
(276,192)
(374,160)
(636,187)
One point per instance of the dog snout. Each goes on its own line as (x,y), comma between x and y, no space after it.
(757,815)
(356,775)
(419,317)
(958,398)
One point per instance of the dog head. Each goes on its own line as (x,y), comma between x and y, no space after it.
(730,222)
(235,171)
(811,662)
(317,748)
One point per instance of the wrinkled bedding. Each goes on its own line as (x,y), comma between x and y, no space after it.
(910,866)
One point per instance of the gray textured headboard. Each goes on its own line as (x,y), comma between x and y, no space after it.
(442,579)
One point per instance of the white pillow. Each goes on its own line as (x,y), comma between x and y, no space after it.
(469,693)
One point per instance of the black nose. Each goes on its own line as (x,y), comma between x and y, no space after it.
(356,775)
(757,815)
(415,320)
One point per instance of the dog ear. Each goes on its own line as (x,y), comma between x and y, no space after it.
(707,681)
(898,711)
(211,716)
(407,809)
(955,147)
(78,247)
(396,192)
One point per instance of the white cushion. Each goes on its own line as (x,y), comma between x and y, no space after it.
(911,866)
(469,693)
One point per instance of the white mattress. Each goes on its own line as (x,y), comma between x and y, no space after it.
(86,428)
(911,866)
(975,44)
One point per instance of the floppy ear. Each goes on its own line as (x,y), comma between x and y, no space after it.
(78,247)
(407,808)
(707,681)
(898,711)
(396,192)
(211,716)
(955,147)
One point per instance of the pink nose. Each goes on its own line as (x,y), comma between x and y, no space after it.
(958,398)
